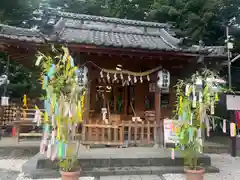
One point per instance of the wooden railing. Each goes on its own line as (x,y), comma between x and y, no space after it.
(140,133)
(136,133)
(102,134)
(25,125)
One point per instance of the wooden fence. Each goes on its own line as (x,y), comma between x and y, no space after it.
(136,133)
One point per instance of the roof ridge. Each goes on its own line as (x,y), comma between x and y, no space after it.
(18,28)
(154,34)
(111,19)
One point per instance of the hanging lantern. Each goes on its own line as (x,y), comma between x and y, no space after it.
(141,79)
(82,78)
(4,101)
(163,79)
(199,84)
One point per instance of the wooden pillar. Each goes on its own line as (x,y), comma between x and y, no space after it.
(160,133)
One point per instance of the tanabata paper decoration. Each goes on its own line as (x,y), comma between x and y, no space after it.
(64,105)
(233,131)
(224,128)
(196,99)
(173,154)
(238,118)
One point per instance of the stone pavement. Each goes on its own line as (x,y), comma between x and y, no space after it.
(132,177)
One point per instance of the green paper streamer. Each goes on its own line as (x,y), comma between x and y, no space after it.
(60,149)
(182,134)
(190,133)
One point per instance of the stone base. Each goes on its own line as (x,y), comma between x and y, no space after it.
(116,161)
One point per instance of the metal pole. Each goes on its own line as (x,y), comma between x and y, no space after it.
(7,73)
(229,60)
(232,113)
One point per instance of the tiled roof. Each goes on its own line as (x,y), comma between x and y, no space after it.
(111,20)
(114,32)
(21,34)
(211,50)
(100,31)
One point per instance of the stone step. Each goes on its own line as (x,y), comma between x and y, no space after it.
(216,150)
(116,161)
(117,171)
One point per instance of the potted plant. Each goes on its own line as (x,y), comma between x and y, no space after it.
(196,99)
(64,107)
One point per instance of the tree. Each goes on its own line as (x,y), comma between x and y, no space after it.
(15,12)
(22,80)
(200,20)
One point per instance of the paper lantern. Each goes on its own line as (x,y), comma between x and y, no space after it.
(82,76)
(4,101)
(163,79)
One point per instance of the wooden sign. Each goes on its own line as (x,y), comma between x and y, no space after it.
(233,102)
(152,87)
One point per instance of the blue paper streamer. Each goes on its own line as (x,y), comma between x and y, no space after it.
(184,115)
(45,82)
(47,106)
(51,71)
(56,108)
(46,128)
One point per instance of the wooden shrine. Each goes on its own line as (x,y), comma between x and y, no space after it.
(120,107)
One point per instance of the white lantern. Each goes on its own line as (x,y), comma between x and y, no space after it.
(163,79)
(82,76)
(4,101)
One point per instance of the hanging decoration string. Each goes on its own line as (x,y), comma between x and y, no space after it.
(127,72)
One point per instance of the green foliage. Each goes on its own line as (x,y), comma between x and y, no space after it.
(199,20)
(14,12)
(22,79)
(192,119)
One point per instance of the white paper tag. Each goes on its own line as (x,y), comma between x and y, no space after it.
(49,151)
(173,154)
(224,126)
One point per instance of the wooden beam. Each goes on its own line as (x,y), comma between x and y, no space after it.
(160,131)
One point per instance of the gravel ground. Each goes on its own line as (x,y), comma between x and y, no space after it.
(229,169)
(11,165)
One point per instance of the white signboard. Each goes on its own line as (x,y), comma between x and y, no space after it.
(169,135)
(233,102)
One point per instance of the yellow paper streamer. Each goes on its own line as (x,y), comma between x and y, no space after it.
(25,100)
(24,106)
(58,129)
(45,117)
(180,105)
